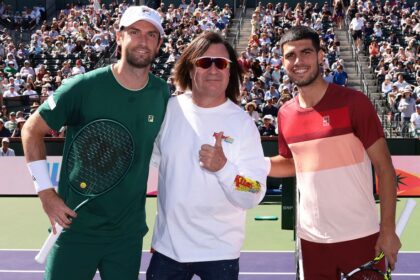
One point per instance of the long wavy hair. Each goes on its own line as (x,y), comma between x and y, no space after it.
(196,49)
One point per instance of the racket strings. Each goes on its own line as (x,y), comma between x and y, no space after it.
(99,157)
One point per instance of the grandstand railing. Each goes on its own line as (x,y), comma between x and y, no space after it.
(106,57)
(240,21)
(396,129)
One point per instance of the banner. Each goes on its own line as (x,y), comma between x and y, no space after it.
(16,180)
(407,169)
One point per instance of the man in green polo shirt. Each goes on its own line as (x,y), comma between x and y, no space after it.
(107,233)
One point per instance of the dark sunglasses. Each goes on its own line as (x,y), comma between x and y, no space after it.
(206,62)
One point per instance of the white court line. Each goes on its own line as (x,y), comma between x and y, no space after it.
(246,251)
(144,272)
(240,273)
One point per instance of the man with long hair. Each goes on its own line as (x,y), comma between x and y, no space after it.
(211,168)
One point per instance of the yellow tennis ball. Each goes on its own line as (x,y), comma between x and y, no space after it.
(83,185)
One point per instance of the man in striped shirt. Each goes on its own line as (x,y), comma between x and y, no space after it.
(328,138)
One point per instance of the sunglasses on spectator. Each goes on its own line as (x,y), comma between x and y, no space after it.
(205,62)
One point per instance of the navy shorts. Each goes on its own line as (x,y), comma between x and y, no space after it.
(357,34)
(163,268)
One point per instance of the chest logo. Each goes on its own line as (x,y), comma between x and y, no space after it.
(150,118)
(326,120)
(226,139)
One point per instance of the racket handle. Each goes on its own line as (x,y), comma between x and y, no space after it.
(48,244)
(405,215)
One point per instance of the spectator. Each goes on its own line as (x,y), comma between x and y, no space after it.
(267,128)
(10,69)
(338,15)
(392,95)
(58,48)
(27,70)
(66,70)
(269,108)
(247,83)
(340,76)
(387,54)
(328,75)
(4,114)
(272,93)
(356,28)
(415,122)
(11,123)
(11,92)
(276,49)
(244,62)
(29,91)
(18,130)
(78,68)
(373,51)
(11,59)
(401,82)
(251,109)
(19,81)
(5,151)
(12,83)
(285,96)
(4,132)
(407,105)
(386,86)
(287,84)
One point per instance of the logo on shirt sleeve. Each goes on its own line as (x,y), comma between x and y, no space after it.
(244,184)
(51,102)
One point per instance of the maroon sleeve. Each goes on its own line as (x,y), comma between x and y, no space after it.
(365,120)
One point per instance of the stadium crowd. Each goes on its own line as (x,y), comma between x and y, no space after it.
(390,37)
(388,34)
(74,41)
(266,86)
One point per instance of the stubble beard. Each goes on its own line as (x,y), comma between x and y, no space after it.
(308,81)
(139,62)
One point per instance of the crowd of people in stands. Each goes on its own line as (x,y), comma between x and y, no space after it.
(68,45)
(20,20)
(72,43)
(389,34)
(266,86)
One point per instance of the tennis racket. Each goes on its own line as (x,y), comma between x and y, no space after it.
(368,271)
(98,158)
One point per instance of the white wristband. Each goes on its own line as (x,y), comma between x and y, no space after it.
(40,175)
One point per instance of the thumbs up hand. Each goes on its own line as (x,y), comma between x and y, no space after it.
(213,158)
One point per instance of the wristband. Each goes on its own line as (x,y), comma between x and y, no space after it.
(40,175)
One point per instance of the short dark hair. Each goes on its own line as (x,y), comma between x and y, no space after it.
(196,49)
(297,33)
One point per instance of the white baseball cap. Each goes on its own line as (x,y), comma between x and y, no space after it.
(268,117)
(136,13)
